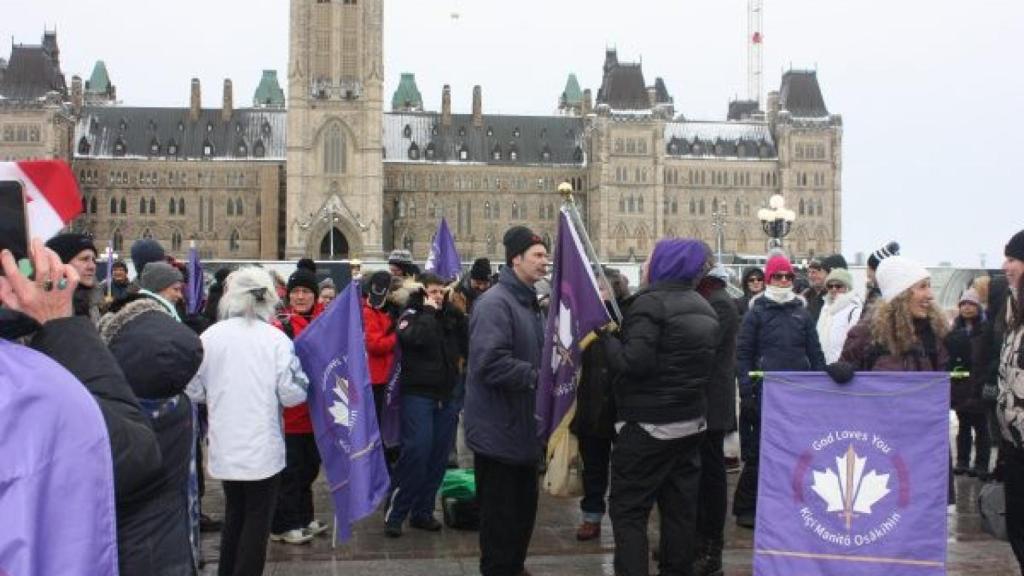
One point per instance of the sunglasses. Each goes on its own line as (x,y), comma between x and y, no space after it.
(783,276)
(755,279)
(835,286)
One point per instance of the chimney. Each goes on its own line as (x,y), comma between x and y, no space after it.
(652,96)
(772,105)
(446,106)
(588,102)
(76,94)
(478,106)
(228,108)
(197,101)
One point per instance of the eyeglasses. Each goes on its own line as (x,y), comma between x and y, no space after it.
(835,286)
(783,276)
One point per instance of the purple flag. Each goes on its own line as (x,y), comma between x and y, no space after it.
(391,412)
(576,309)
(333,354)
(194,297)
(854,478)
(444,258)
(57,479)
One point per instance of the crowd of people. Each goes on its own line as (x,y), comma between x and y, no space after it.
(659,391)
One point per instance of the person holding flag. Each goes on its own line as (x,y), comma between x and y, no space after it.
(665,359)
(444,257)
(506,335)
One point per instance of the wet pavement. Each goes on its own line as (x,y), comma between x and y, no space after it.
(554,549)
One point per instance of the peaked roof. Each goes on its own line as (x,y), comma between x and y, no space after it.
(269,93)
(623,86)
(99,81)
(741,109)
(661,95)
(32,72)
(407,96)
(801,95)
(572,93)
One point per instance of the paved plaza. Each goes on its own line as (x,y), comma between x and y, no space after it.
(554,550)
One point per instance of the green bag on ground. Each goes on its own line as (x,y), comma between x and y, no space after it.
(459,484)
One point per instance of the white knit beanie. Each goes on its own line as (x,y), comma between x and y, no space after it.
(896,274)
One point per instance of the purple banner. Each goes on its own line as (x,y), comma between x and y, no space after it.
(853,479)
(333,355)
(194,297)
(391,411)
(444,258)
(576,309)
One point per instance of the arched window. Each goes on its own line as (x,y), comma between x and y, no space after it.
(118,241)
(408,242)
(241,149)
(239,210)
(142,205)
(497,210)
(92,205)
(181,206)
(401,208)
(259,150)
(714,205)
(124,205)
(631,204)
(412,208)
(172,207)
(801,204)
(176,241)
(640,204)
(675,206)
(334,150)
(487,210)
(622,205)
(738,209)
(701,206)
(492,246)
(820,208)
(152,205)
(231,208)
(113,205)
(430,151)
(233,242)
(693,206)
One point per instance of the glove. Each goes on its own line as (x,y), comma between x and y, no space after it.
(840,372)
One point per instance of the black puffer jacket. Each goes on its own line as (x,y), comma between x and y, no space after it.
(431,346)
(595,401)
(777,337)
(721,390)
(665,356)
(159,356)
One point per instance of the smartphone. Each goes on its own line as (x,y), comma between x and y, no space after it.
(13,219)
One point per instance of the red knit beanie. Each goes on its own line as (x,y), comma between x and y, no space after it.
(777,263)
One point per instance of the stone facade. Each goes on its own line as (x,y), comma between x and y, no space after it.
(271,182)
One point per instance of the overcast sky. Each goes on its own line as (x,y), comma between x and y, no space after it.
(929,90)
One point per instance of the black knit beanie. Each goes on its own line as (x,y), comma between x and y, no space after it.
(481,270)
(1015,247)
(71,244)
(305,278)
(517,240)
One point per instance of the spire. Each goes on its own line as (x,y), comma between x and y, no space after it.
(407,96)
(268,94)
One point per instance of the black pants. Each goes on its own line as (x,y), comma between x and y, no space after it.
(248,507)
(646,470)
(596,455)
(745,499)
(1013,476)
(295,498)
(713,494)
(507,494)
(976,422)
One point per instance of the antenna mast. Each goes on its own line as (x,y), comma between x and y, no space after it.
(755,59)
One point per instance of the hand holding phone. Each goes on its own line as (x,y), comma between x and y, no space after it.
(14,232)
(46,298)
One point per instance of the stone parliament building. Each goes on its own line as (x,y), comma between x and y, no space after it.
(329,167)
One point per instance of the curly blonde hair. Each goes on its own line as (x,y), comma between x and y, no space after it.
(892,325)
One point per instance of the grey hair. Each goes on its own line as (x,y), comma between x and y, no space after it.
(250,294)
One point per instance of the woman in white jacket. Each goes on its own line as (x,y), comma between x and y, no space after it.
(841,312)
(249,372)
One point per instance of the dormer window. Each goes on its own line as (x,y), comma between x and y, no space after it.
(545,154)
(430,151)
(154,147)
(496,153)
(462,131)
(152,126)
(83,146)
(172,148)
(119,147)
(414,152)
(515,132)
(265,128)
(513,154)
(207,148)
(490,131)
(181,126)
(407,131)
(209,127)
(433,130)
(241,149)
(259,150)
(463,153)
(238,127)
(123,125)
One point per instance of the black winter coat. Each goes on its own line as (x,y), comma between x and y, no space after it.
(431,348)
(595,401)
(721,390)
(665,356)
(776,337)
(159,356)
(969,351)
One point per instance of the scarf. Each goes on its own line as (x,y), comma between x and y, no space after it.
(779,294)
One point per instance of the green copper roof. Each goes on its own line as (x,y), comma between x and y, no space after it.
(572,93)
(407,95)
(99,82)
(268,93)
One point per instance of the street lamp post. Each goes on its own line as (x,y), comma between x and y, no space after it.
(327,214)
(776,220)
(718,222)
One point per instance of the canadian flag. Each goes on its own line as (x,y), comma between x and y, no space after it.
(52,194)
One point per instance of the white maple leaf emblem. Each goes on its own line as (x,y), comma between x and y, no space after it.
(339,408)
(563,338)
(850,492)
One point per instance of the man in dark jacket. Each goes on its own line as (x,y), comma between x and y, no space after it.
(713,493)
(78,251)
(815,293)
(506,337)
(664,363)
(428,333)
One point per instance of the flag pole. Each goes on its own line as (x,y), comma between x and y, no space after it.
(569,202)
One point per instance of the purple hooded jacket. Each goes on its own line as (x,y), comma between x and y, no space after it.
(677,259)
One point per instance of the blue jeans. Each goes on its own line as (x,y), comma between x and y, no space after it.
(428,427)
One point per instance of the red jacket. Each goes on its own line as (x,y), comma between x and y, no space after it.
(296,418)
(380,342)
